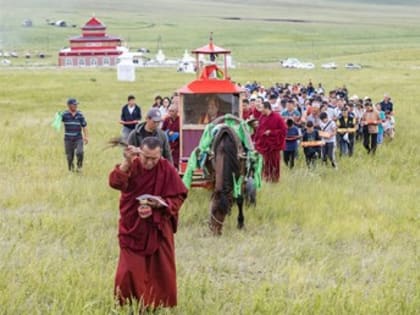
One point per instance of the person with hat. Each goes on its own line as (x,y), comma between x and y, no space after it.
(75,134)
(150,128)
(359,110)
(370,121)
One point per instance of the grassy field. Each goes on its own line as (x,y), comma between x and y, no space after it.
(322,242)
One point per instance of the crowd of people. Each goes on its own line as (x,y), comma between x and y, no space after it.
(321,122)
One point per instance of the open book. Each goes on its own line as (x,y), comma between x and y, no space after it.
(152,197)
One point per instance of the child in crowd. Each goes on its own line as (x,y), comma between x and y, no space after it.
(389,125)
(380,137)
(346,139)
(312,153)
(293,134)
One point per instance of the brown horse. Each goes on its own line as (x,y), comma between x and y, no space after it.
(228,162)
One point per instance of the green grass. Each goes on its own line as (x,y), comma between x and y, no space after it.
(322,242)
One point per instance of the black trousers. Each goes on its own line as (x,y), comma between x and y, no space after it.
(289,158)
(370,141)
(328,153)
(311,155)
(72,147)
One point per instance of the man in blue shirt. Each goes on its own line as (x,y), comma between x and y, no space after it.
(291,112)
(74,125)
(386,104)
(130,116)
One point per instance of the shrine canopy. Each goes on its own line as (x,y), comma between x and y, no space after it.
(213,51)
(210,77)
(210,48)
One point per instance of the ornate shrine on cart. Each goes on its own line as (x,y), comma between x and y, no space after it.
(211,95)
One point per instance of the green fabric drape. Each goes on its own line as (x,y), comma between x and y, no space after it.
(254,159)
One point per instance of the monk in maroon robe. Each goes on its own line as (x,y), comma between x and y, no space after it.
(246,110)
(171,127)
(146,268)
(270,138)
(257,110)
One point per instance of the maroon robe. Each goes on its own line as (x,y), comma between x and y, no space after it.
(146,268)
(270,145)
(173,125)
(246,114)
(256,113)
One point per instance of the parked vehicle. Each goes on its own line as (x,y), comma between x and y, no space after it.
(353,66)
(296,64)
(330,65)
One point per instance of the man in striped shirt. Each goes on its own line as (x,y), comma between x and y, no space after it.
(74,125)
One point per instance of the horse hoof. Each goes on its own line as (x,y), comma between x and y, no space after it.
(240,226)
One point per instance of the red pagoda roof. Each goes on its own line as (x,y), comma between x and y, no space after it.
(93,24)
(201,86)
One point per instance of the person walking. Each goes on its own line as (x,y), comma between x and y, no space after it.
(152,194)
(346,138)
(130,116)
(171,127)
(270,139)
(328,135)
(292,137)
(75,134)
(370,121)
(150,128)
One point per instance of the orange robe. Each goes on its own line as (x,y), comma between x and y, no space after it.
(205,118)
(146,268)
